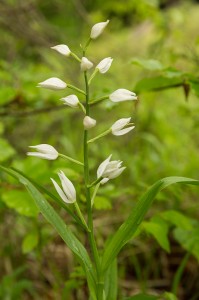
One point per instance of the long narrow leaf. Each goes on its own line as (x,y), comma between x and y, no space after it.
(52,196)
(63,230)
(111,285)
(128,228)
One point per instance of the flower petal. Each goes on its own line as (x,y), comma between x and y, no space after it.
(103,166)
(123,131)
(53,83)
(60,192)
(68,187)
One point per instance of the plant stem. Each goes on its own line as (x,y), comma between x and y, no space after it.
(80,215)
(88,197)
(70,86)
(99,100)
(99,136)
(179,273)
(71,159)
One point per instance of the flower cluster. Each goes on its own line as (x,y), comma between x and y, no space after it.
(107,169)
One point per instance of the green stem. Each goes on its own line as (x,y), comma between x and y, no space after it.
(80,215)
(99,100)
(82,107)
(92,76)
(70,86)
(71,159)
(88,196)
(99,136)
(75,57)
(179,273)
(95,193)
(95,182)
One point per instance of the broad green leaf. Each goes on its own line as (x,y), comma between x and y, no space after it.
(158,228)
(111,285)
(177,218)
(21,202)
(129,227)
(157,83)
(6,150)
(169,296)
(30,242)
(142,297)
(102,203)
(149,64)
(189,240)
(63,230)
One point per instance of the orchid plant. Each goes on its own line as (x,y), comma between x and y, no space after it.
(100,266)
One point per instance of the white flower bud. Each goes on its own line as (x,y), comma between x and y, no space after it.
(68,192)
(118,127)
(97,29)
(53,83)
(104,65)
(109,169)
(122,95)
(88,122)
(62,49)
(70,100)
(86,64)
(45,151)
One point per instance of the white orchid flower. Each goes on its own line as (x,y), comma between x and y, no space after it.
(104,65)
(109,169)
(53,83)
(89,123)
(44,151)
(71,100)
(86,64)
(97,29)
(118,128)
(122,95)
(67,192)
(62,49)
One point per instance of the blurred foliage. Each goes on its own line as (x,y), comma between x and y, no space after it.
(155,46)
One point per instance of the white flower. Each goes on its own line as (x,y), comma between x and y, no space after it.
(122,95)
(70,100)
(53,83)
(118,127)
(62,49)
(45,151)
(109,169)
(104,65)
(68,192)
(86,64)
(88,122)
(97,29)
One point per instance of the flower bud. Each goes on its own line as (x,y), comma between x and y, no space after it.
(118,127)
(86,64)
(70,100)
(45,151)
(122,95)
(68,192)
(104,65)
(89,122)
(62,49)
(53,83)
(97,29)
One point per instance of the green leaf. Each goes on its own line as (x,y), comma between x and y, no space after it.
(149,64)
(129,227)
(102,203)
(6,151)
(142,297)
(169,296)
(157,83)
(111,285)
(189,240)
(177,218)
(21,202)
(158,228)
(30,242)
(63,230)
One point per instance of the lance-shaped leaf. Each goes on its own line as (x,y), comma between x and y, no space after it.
(63,230)
(129,227)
